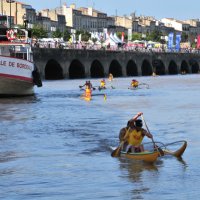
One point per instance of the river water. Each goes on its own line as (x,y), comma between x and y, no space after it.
(56,146)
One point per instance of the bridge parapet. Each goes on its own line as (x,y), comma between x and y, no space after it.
(80,63)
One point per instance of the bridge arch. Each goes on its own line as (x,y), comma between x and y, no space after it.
(115,69)
(76,69)
(97,69)
(172,69)
(184,67)
(146,68)
(158,67)
(53,70)
(194,66)
(131,68)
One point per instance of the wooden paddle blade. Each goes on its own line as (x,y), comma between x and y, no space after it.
(116,152)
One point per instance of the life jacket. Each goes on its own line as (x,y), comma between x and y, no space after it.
(134,83)
(88,92)
(102,84)
(135,137)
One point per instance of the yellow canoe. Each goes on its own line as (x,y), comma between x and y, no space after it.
(146,156)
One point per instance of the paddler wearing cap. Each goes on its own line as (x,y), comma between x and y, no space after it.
(133,134)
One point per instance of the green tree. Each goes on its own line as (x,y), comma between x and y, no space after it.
(85,36)
(136,36)
(94,40)
(57,34)
(66,35)
(154,36)
(39,32)
(184,37)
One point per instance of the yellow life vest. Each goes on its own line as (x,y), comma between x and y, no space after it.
(135,137)
(134,83)
(102,84)
(88,92)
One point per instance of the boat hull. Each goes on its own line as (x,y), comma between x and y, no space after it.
(143,156)
(16,77)
(14,87)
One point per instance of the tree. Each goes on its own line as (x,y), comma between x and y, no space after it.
(184,37)
(57,34)
(136,36)
(39,32)
(154,36)
(85,36)
(66,35)
(94,40)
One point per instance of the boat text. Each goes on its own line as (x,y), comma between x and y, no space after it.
(15,64)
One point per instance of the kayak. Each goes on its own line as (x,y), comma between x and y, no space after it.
(146,156)
(177,153)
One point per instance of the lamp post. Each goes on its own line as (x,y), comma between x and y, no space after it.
(10,1)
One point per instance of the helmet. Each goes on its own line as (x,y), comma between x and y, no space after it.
(138,123)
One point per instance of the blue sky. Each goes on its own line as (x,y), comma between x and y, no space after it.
(179,9)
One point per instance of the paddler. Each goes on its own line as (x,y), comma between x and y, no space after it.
(88,92)
(103,84)
(110,77)
(134,83)
(87,84)
(133,134)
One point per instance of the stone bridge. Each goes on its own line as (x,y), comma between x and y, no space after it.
(73,63)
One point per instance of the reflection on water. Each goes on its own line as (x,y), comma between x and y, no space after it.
(18,100)
(136,168)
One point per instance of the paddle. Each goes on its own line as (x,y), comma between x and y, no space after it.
(117,151)
(112,87)
(80,86)
(161,153)
(147,85)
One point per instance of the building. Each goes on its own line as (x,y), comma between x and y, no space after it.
(20,12)
(58,21)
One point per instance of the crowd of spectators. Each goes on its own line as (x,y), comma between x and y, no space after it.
(107,47)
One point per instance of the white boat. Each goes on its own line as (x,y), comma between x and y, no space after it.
(18,74)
